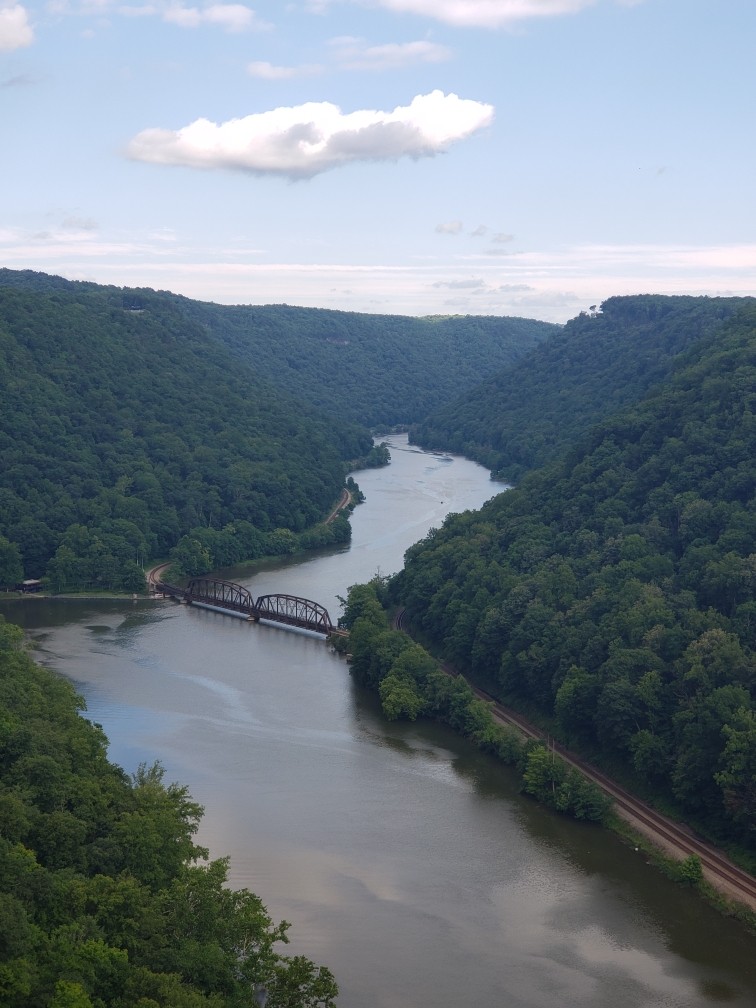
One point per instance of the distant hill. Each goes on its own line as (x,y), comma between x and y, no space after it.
(530,413)
(137,421)
(377,370)
(123,428)
(613,592)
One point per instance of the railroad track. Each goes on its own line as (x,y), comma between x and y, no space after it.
(717,868)
(155,576)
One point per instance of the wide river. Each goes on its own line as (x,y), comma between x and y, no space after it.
(406,862)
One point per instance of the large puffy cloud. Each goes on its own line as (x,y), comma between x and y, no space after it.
(15,30)
(486,13)
(304,140)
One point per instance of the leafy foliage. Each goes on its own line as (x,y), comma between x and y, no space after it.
(612,593)
(530,413)
(124,429)
(411,684)
(105,899)
(380,370)
(134,418)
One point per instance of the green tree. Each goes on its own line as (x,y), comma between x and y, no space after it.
(690,870)
(400,699)
(11,567)
(737,774)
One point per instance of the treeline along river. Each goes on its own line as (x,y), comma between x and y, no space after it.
(407,861)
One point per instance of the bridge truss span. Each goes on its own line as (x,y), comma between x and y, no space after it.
(294,611)
(223,594)
(226,596)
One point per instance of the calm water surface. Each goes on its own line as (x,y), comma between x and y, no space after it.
(406,861)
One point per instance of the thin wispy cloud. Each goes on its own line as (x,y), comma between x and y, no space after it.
(453,227)
(356,54)
(348,53)
(550,285)
(230,17)
(79,224)
(269,71)
(15,29)
(20,80)
(473,283)
(485,13)
(302,141)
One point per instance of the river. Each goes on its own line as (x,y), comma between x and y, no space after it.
(406,861)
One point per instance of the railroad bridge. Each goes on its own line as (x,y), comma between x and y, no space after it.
(227,597)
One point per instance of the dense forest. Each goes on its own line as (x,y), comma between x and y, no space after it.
(611,594)
(131,429)
(379,371)
(527,415)
(105,899)
(123,430)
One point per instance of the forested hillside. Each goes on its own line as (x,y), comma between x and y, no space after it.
(380,370)
(123,429)
(612,594)
(376,370)
(135,421)
(530,413)
(105,899)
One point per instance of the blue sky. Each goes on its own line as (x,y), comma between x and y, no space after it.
(509,157)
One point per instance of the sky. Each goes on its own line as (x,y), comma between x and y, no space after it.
(416,157)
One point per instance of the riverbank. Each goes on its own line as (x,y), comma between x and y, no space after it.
(666,843)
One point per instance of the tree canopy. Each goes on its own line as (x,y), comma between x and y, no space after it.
(105,899)
(612,592)
(530,413)
(136,421)
(125,429)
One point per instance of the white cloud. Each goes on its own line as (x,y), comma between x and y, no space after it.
(473,283)
(231,17)
(135,12)
(305,140)
(501,237)
(551,285)
(268,71)
(486,13)
(79,224)
(449,227)
(20,80)
(350,53)
(354,54)
(15,30)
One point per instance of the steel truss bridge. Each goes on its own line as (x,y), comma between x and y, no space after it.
(225,596)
